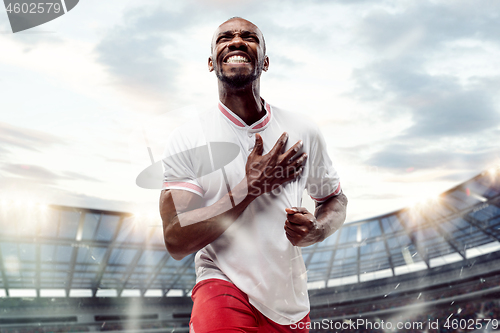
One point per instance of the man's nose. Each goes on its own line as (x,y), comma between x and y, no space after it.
(237,43)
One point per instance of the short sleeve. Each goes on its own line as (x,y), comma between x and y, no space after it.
(179,173)
(323,181)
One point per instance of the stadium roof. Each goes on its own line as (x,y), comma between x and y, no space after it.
(57,251)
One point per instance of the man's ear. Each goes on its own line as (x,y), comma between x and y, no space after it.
(266,64)
(210,64)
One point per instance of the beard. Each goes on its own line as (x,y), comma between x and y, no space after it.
(238,81)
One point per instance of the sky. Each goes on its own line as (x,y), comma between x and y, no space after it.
(404,92)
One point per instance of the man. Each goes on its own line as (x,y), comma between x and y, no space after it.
(245,221)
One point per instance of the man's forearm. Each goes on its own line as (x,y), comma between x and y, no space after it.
(302,228)
(331,215)
(190,231)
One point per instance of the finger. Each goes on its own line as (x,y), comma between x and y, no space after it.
(298,219)
(278,146)
(290,153)
(300,161)
(290,229)
(295,230)
(293,210)
(259,145)
(293,174)
(297,163)
(291,238)
(291,233)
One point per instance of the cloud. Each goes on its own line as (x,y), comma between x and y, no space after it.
(381,80)
(14,136)
(455,113)
(145,53)
(442,110)
(136,60)
(79,176)
(404,40)
(458,176)
(452,118)
(118,160)
(32,172)
(139,53)
(42,175)
(378,196)
(15,188)
(30,38)
(421,26)
(439,104)
(409,157)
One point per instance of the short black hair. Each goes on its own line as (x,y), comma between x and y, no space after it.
(241,18)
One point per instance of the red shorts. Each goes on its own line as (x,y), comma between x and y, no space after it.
(221,307)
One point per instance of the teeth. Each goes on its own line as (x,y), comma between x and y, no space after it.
(237,59)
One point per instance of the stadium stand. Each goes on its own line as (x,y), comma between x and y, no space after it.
(70,269)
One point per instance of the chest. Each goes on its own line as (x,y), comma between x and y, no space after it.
(229,157)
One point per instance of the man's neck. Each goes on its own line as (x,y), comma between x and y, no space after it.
(245,103)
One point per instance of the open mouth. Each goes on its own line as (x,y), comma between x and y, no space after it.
(237,59)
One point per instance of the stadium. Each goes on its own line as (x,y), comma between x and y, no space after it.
(432,267)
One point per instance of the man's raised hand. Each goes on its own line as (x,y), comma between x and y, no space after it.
(266,172)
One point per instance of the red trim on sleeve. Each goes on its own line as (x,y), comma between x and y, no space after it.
(185,185)
(336,192)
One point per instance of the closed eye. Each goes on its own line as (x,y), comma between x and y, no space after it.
(252,39)
(223,39)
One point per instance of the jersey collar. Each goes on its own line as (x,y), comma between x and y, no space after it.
(238,122)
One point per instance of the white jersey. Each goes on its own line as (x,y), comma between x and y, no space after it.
(253,253)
